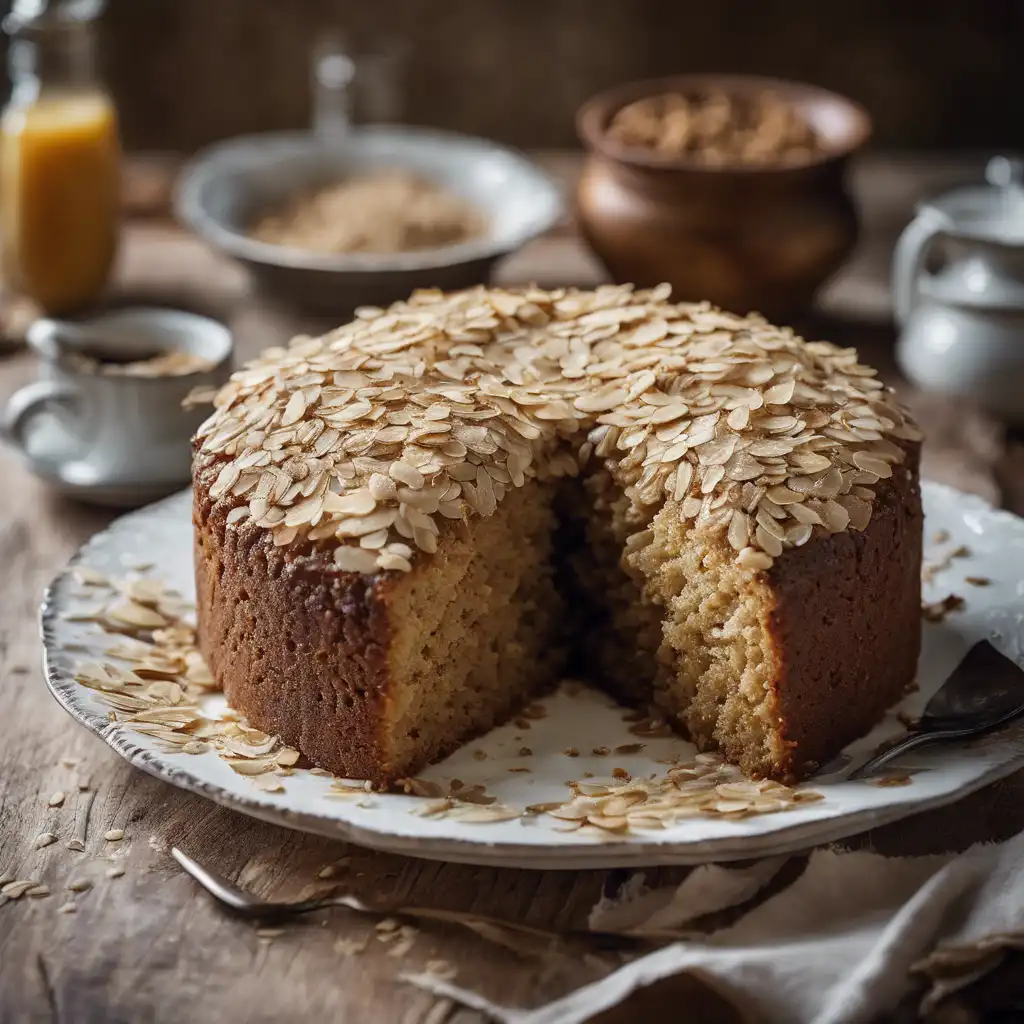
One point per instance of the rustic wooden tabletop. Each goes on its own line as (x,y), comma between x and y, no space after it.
(144,944)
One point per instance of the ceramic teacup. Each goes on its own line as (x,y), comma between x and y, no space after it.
(105,420)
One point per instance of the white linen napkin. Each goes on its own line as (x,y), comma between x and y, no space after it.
(838,944)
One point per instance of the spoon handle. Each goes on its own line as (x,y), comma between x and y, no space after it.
(911,742)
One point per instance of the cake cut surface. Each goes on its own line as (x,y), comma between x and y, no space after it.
(404,528)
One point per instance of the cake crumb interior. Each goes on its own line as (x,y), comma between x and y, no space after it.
(548,583)
(478,631)
(716,636)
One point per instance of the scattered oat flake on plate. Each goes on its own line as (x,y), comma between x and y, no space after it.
(651,727)
(44,839)
(471,794)
(930,568)
(705,787)
(56,799)
(90,577)
(139,616)
(543,808)
(79,885)
(115,872)
(936,611)
(480,815)
(67,908)
(420,787)
(885,781)
(114,835)
(978,581)
(432,808)
(268,783)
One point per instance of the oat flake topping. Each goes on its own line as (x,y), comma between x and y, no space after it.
(376,433)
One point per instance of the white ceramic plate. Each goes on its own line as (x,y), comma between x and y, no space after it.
(161,534)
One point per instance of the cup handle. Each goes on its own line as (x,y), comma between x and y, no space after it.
(909,259)
(29,402)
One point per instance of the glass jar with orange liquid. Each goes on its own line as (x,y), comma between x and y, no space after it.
(59,157)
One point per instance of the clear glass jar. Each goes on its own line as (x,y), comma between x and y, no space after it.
(59,158)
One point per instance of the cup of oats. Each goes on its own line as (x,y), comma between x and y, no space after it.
(730,187)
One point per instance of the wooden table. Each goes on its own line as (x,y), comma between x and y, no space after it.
(148,945)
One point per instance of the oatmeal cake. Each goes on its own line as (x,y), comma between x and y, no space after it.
(408,527)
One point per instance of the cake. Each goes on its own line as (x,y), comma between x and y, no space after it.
(408,528)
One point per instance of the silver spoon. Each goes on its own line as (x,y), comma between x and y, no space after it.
(985,691)
(247,905)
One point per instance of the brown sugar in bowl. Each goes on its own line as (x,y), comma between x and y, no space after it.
(749,237)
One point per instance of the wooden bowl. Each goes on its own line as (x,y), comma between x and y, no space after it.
(749,238)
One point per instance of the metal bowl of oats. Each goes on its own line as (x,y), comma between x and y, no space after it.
(326,227)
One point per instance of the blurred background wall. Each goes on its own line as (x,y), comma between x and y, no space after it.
(944,74)
(941,74)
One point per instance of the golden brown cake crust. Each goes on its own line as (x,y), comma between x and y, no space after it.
(300,647)
(846,626)
(305,649)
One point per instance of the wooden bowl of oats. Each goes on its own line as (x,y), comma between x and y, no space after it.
(326,227)
(730,187)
